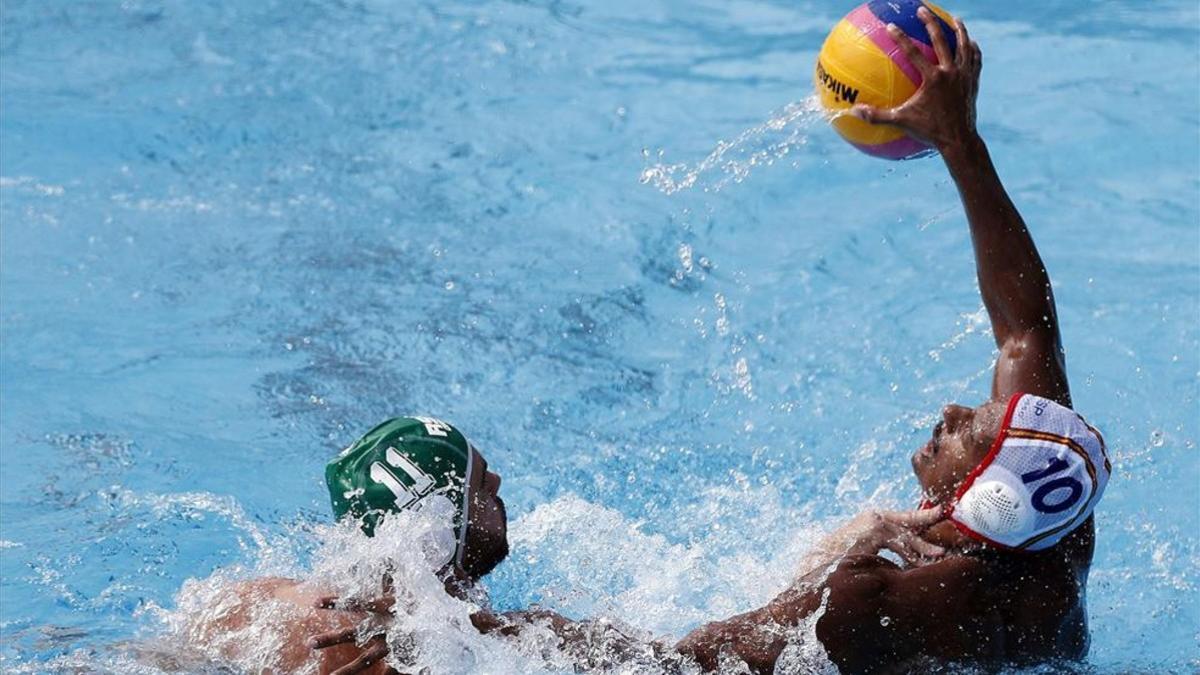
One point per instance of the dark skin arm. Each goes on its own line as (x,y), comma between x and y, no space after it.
(1014,284)
(940,608)
(760,634)
(860,591)
(877,616)
(1012,279)
(592,644)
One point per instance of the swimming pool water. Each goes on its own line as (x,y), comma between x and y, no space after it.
(611,241)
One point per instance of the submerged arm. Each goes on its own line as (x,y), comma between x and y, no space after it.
(590,645)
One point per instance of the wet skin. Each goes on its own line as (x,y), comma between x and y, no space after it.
(973,603)
(959,442)
(487,537)
(317,631)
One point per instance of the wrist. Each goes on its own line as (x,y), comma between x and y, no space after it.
(862,535)
(963,148)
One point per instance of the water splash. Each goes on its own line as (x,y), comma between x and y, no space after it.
(972,323)
(732,161)
(642,588)
(190,505)
(240,620)
(620,570)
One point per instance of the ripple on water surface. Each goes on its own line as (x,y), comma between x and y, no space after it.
(612,242)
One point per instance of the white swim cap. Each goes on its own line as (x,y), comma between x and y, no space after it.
(1042,478)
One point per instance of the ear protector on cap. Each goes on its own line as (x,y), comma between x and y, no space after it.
(1041,479)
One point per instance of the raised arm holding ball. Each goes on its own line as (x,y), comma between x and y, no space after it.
(997,563)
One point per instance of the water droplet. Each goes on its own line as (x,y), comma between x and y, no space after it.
(1157,438)
(449,285)
(885,621)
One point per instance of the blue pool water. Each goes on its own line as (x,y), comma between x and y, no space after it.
(609,240)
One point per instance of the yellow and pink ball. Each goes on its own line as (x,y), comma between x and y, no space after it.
(860,62)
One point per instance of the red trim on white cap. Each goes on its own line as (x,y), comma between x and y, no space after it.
(987,460)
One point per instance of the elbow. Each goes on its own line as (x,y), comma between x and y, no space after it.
(700,647)
(715,644)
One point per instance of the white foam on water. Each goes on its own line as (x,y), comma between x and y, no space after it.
(431,629)
(732,161)
(183,503)
(581,559)
(593,561)
(739,547)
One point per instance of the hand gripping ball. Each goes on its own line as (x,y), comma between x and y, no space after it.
(861,63)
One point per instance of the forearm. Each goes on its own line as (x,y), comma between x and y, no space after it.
(1012,278)
(590,644)
(758,637)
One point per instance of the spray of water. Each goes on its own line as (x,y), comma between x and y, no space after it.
(642,590)
(733,160)
(579,558)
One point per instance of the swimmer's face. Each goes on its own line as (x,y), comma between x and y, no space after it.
(487,534)
(961,439)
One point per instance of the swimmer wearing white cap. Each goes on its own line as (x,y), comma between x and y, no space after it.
(995,564)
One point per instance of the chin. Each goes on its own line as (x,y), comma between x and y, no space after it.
(928,491)
(919,462)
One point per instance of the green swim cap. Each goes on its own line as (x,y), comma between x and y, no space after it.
(398,466)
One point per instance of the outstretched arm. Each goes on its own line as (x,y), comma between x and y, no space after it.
(857,596)
(757,637)
(1012,279)
(591,645)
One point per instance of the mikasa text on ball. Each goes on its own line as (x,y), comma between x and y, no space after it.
(861,63)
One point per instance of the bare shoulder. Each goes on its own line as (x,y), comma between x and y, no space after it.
(262,625)
(870,584)
(878,613)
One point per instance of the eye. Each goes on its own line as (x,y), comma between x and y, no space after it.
(937,434)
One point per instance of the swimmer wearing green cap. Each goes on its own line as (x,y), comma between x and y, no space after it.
(408,462)
(404,464)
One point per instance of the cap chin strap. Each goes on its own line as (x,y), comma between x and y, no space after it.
(466,509)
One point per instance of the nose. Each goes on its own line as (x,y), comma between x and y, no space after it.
(955,416)
(495,481)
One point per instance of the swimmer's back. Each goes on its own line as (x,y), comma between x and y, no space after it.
(262,626)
